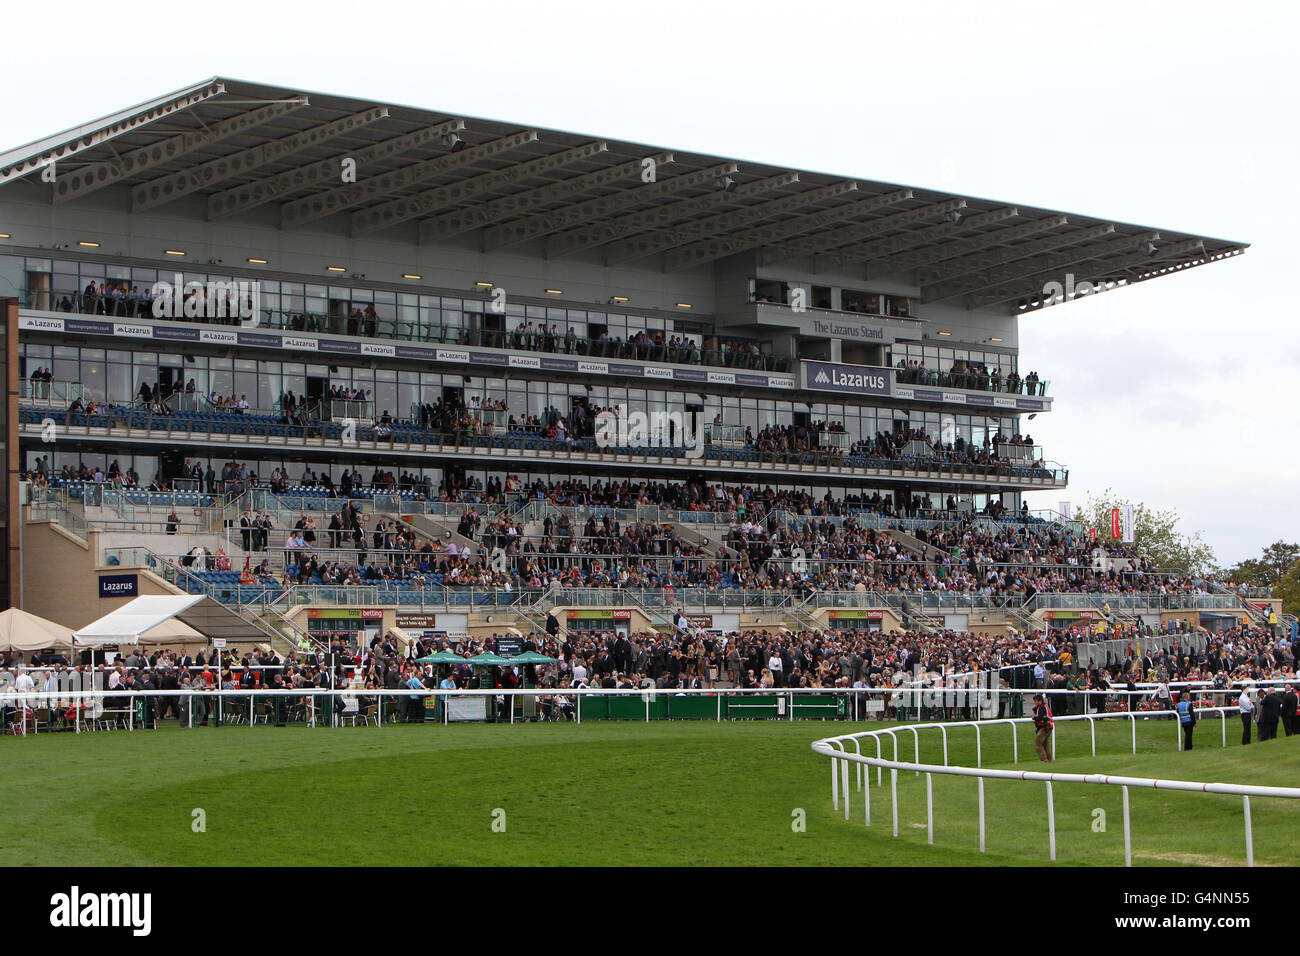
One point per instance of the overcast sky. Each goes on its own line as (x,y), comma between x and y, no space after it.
(1176,392)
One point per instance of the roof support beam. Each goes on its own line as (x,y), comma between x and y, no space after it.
(473,217)
(90,178)
(952,268)
(911,240)
(341,198)
(603,207)
(250,195)
(734,242)
(431,201)
(597,234)
(87,137)
(812,245)
(1049,265)
(1105,269)
(697,229)
(946,251)
(158,191)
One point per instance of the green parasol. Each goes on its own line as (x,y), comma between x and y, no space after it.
(442,657)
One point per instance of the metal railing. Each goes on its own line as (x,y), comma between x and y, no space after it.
(977,381)
(55,393)
(411,440)
(841,759)
(727,353)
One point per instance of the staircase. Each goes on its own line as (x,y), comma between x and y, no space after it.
(1021,619)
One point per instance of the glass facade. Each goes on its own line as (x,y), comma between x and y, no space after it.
(941,358)
(115,376)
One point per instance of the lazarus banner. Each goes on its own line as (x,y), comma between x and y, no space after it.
(854,379)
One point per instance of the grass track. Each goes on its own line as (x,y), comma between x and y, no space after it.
(608,794)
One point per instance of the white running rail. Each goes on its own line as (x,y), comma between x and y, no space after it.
(836,748)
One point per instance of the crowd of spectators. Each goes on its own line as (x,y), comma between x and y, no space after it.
(974,376)
(688,657)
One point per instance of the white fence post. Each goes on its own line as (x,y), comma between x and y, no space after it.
(893,786)
(866,796)
(981,788)
(929,808)
(1250,837)
(1128,845)
(844,780)
(835,785)
(1051,824)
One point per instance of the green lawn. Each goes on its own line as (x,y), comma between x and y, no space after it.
(609,794)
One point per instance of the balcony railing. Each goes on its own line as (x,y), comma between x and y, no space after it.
(979,381)
(722,352)
(53,393)
(268,430)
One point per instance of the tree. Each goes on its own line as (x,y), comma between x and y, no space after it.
(1288,589)
(1155,532)
(1269,568)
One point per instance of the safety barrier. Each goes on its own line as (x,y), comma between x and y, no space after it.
(841,759)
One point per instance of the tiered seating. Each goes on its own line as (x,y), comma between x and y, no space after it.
(226,586)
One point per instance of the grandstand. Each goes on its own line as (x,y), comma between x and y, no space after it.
(349,367)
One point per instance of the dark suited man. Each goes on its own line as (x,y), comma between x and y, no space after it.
(1289,704)
(246,531)
(1270,709)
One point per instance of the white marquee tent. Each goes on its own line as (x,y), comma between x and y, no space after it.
(23,631)
(134,619)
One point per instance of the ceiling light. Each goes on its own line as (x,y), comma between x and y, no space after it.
(4,235)
(996,338)
(945,333)
(257,262)
(618,298)
(484,285)
(555,292)
(335,269)
(89,245)
(411,275)
(173,252)
(683,305)
(454,142)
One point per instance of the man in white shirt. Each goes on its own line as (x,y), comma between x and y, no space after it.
(1162,697)
(579,674)
(23,684)
(1246,707)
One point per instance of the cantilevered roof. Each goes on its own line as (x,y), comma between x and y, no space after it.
(225,147)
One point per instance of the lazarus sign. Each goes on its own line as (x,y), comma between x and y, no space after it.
(855,379)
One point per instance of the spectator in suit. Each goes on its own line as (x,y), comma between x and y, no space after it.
(1270,709)
(1290,702)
